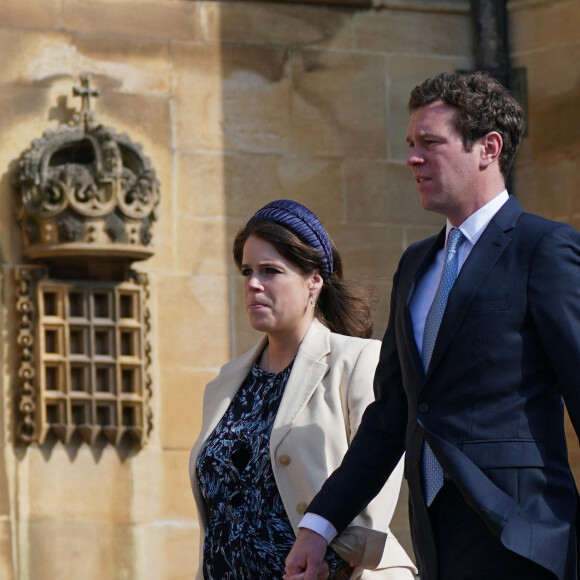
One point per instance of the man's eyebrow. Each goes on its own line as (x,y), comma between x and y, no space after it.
(426,135)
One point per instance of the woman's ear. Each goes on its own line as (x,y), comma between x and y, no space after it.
(316,282)
(491,145)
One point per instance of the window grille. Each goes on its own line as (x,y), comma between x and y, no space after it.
(84,359)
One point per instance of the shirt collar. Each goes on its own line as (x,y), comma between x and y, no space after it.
(473,226)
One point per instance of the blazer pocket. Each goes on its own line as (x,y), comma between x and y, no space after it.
(490,304)
(500,453)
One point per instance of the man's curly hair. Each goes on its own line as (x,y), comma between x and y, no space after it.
(483,105)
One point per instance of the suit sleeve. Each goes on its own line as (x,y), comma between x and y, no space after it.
(554,295)
(377,446)
(360,397)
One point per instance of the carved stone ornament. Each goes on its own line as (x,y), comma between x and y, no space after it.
(86,192)
(88,199)
(84,359)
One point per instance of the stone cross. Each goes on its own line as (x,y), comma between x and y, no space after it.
(85,92)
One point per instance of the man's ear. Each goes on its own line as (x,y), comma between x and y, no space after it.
(491,145)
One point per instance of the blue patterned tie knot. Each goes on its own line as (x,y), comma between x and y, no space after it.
(432,470)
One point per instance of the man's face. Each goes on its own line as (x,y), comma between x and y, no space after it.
(446,174)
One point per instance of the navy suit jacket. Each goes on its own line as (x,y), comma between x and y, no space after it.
(490,404)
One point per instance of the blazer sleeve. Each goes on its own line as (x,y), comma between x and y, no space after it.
(379,443)
(367,542)
(360,397)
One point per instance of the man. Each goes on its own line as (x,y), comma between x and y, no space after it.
(482,344)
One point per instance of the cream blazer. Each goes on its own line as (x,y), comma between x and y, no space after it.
(329,387)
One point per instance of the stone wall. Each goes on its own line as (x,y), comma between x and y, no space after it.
(236,104)
(545,41)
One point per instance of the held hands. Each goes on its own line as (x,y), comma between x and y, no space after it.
(306,558)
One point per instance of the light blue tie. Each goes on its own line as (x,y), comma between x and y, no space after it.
(432,470)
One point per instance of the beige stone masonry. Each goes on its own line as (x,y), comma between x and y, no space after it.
(544,25)
(361,244)
(6,542)
(275,102)
(163,491)
(40,14)
(28,56)
(545,189)
(168,552)
(62,548)
(422,33)
(200,183)
(197,96)
(193,321)
(277,24)
(430,6)
(379,192)
(201,247)
(380,295)
(336,118)
(405,72)
(124,64)
(172,20)
(246,110)
(64,482)
(310,180)
(553,97)
(179,419)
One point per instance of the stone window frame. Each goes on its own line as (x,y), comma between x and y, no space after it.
(84,359)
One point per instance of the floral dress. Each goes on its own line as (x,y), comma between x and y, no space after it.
(248,534)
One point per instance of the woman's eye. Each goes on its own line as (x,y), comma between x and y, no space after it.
(272,271)
(246,272)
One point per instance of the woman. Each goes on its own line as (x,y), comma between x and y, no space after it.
(278,419)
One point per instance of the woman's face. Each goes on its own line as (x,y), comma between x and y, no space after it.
(276,292)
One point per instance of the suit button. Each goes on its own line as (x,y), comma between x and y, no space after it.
(423,408)
(301,508)
(284,460)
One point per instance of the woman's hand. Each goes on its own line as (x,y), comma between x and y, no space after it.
(323,571)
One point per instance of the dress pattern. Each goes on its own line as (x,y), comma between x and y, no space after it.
(248,533)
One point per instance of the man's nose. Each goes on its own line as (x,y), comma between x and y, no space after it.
(414,158)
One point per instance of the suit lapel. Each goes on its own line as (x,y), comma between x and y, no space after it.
(423,260)
(482,258)
(307,373)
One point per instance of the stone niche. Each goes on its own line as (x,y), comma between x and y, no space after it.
(87,200)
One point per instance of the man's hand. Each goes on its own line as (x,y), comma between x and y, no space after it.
(306,558)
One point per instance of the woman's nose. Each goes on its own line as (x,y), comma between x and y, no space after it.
(254,282)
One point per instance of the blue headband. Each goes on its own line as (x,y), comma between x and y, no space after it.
(303,223)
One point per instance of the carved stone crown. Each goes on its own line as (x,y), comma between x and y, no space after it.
(87,193)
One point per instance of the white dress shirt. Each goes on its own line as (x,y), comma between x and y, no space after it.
(472,228)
